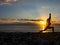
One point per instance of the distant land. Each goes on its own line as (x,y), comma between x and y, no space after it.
(11,21)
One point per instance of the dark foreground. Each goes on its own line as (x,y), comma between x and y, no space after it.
(19,38)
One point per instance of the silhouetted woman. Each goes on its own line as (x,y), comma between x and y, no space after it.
(48,23)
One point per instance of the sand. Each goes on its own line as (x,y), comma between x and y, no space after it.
(20,38)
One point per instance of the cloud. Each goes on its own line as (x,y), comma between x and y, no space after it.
(7,2)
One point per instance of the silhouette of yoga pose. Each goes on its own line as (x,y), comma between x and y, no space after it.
(48,24)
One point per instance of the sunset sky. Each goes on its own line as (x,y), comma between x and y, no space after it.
(29,9)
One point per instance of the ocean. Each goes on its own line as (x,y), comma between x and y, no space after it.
(25,28)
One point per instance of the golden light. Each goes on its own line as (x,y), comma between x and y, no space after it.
(43,22)
(42,25)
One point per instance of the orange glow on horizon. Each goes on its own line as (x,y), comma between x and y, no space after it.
(42,25)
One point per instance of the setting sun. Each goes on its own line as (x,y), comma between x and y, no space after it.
(42,24)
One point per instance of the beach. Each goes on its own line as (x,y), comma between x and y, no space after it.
(36,38)
(29,22)
(28,34)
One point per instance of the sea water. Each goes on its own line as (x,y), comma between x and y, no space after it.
(24,28)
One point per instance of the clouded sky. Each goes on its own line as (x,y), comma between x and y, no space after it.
(29,9)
